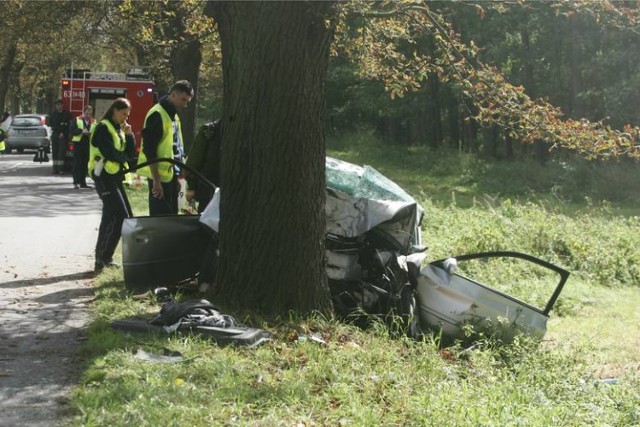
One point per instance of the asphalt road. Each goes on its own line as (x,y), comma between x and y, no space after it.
(47,235)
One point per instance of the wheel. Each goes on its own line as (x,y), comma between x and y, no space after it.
(20,150)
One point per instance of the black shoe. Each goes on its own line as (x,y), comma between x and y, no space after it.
(98,266)
(85,186)
(76,186)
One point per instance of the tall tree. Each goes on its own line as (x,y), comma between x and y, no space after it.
(493,100)
(169,35)
(274,58)
(24,23)
(186,56)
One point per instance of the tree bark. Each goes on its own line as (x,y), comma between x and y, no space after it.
(186,58)
(434,112)
(577,84)
(509,146)
(5,73)
(274,60)
(491,147)
(453,117)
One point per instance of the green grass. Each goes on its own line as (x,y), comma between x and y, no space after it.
(364,378)
(138,198)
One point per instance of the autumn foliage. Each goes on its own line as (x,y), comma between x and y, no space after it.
(403,42)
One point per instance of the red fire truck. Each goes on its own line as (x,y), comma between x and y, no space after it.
(82,87)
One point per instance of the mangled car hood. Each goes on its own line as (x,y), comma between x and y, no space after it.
(359,199)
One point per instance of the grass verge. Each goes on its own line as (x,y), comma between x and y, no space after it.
(585,372)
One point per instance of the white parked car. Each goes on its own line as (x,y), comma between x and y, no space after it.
(28,131)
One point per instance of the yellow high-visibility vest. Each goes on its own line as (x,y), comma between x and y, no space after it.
(80,125)
(165,146)
(118,143)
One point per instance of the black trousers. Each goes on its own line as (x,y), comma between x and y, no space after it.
(168,205)
(80,162)
(115,208)
(58,151)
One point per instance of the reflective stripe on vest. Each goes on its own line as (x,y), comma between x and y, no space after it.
(165,146)
(80,125)
(118,143)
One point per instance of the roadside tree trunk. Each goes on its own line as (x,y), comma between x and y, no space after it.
(274,59)
(5,74)
(434,111)
(186,58)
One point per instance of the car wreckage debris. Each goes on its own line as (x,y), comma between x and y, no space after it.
(199,317)
(374,261)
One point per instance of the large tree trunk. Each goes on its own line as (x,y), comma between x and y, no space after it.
(540,149)
(5,73)
(186,57)
(577,85)
(434,112)
(453,116)
(274,60)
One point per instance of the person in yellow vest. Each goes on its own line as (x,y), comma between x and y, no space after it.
(162,138)
(80,130)
(4,122)
(112,146)
(3,136)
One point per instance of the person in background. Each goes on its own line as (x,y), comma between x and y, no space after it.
(204,157)
(162,138)
(59,121)
(3,136)
(5,121)
(112,146)
(80,130)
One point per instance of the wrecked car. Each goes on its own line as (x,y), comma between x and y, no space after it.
(375,261)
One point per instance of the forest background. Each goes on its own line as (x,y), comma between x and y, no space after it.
(475,76)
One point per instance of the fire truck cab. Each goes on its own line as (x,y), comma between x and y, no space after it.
(82,87)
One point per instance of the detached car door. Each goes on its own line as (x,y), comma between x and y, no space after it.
(164,250)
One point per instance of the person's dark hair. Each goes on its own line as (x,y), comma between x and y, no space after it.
(182,86)
(118,104)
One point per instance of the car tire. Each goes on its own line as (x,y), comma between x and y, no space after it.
(20,150)
(8,150)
